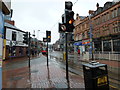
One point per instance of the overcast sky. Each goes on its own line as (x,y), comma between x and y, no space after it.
(44,15)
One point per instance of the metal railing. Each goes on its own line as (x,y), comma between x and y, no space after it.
(106,55)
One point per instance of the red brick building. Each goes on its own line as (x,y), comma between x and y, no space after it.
(105,23)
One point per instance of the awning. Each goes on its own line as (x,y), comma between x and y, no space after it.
(81,43)
(86,44)
(78,43)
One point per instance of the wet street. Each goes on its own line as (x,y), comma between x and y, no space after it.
(75,66)
(16,74)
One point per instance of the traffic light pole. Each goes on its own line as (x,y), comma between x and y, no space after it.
(29,49)
(66,50)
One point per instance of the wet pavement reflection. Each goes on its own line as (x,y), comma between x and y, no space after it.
(18,75)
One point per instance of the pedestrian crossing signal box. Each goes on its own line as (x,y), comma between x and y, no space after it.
(95,76)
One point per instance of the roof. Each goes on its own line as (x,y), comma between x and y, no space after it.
(82,17)
(12,27)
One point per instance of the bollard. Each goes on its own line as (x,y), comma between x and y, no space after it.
(64,56)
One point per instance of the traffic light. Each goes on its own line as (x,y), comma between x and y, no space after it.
(67,24)
(25,38)
(48,36)
(69,14)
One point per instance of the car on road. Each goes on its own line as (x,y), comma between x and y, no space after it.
(44,51)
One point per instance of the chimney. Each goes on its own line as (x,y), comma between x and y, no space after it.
(97,5)
(77,16)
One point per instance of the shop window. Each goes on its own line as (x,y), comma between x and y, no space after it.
(98,46)
(116,45)
(107,45)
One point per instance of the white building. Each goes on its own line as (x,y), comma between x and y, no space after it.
(13,42)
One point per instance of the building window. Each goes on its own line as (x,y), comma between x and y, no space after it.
(115,12)
(108,16)
(13,35)
(119,11)
(98,34)
(116,27)
(104,17)
(83,35)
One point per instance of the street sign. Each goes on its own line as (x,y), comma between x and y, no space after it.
(44,39)
(63,27)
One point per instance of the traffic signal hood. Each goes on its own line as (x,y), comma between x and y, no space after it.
(25,38)
(68,5)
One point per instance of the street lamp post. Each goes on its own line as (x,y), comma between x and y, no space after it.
(38,42)
(91,35)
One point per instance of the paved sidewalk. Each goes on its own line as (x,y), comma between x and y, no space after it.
(39,76)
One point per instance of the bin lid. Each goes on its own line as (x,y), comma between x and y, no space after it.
(94,65)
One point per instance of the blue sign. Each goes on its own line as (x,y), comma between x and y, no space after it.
(1,24)
(1,47)
(78,43)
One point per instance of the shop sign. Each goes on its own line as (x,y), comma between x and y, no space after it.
(102,81)
(85,42)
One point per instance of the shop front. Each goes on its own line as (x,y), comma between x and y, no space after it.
(84,48)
